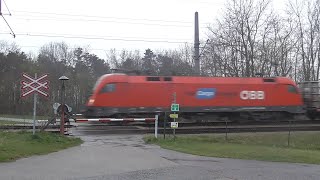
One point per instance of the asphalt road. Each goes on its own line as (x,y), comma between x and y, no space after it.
(124,157)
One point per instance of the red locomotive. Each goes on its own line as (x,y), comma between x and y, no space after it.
(121,95)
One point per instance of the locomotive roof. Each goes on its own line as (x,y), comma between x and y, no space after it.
(191,79)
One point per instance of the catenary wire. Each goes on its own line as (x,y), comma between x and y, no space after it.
(95,38)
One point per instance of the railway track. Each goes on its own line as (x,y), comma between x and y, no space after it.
(208,124)
(184,128)
(94,130)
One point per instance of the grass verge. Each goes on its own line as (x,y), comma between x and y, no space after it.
(304,146)
(15,145)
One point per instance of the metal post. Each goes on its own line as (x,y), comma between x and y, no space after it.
(226,137)
(164,125)
(34,109)
(289,134)
(174,119)
(62,78)
(62,110)
(174,129)
(196,44)
(156,127)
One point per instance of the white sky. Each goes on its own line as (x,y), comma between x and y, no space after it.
(105,20)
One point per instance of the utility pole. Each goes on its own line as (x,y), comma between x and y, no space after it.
(196,45)
(0,8)
(1,14)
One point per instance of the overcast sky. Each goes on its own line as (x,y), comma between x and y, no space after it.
(106,24)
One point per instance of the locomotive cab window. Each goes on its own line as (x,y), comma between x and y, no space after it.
(292,89)
(108,88)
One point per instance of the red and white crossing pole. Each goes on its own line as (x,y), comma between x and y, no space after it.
(62,79)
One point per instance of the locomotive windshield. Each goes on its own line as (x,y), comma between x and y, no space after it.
(292,89)
(97,83)
(108,88)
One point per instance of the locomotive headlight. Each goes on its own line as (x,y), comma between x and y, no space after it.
(91,101)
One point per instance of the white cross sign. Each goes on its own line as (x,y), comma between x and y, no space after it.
(34,85)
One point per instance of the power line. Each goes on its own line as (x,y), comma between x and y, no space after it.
(7,7)
(98,18)
(95,20)
(9,26)
(97,38)
(101,17)
(90,49)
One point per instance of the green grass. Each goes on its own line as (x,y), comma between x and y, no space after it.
(15,145)
(304,146)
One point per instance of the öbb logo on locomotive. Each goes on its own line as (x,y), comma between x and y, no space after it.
(245,95)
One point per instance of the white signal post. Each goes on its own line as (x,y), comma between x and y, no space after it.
(156,127)
(174,108)
(34,86)
(34,108)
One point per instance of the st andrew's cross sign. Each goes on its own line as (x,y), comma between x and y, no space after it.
(30,85)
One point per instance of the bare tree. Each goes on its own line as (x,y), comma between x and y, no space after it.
(305,19)
(236,40)
(58,52)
